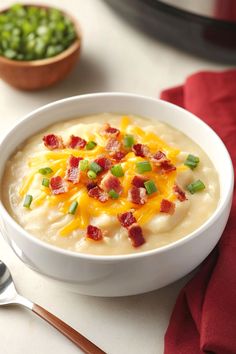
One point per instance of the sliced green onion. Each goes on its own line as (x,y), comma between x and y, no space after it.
(143,166)
(112,193)
(117,170)
(192,161)
(150,187)
(90,145)
(196,186)
(83,165)
(28,200)
(91,174)
(95,167)
(45,170)
(73,207)
(128,141)
(45,182)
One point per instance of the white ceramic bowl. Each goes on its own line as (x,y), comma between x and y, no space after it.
(125,274)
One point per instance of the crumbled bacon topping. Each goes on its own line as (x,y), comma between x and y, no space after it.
(113,145)
(111,182)
(73,172)
(52,141)
(58,185)
(98,193)
(159,156)
(167,167)
(138,181)
(91,185)
(179,193)
(167,206)
(119,155)
(109,131)
(141,150)
(76,142)
(136,235)
(94,233)
(104,162)
(137,195)
(126,219)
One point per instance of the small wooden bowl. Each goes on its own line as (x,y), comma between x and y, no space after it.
(38,74)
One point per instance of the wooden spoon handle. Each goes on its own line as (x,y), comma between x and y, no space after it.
(77,338)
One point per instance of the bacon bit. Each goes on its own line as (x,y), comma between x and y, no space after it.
(109,131)
(137,195)
(104,162)
(113,145)
(52,141)
(179,193)
(119,155)
(91,185)
(136,235)
(94,233)
(98,193)
(73,172)
(138,181)
(167,207)
(126,219)
(111,182)
(76,142)
(167,167)
(159,157)
(58,185)
(141,150)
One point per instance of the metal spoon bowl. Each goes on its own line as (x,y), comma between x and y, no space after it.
(9,295)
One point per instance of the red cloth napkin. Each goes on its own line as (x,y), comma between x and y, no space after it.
(204,317)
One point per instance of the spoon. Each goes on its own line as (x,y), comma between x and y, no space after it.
(9,295)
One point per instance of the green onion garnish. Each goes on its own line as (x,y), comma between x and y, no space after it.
(192,161)
(143,166)
(112,193)
(28,200)
(83,165)
(90,145)
(45,170)
(73,207)
(91,174)
(117,170)
(95,167)
(45,182)
(128,141)
(150,187)
(196,186)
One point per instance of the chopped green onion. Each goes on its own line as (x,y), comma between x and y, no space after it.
(95,167)
(90,145)
(28,200)
(83,165)
(45,170)
(143,166)
(91,174)
(117,170)
(128,141)
(45,182)
(73,207)
(192,161)
(150,187)
(196,186)
(112,193)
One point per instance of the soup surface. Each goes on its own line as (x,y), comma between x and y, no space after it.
(110,184)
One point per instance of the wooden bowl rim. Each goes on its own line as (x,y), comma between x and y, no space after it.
(41,62)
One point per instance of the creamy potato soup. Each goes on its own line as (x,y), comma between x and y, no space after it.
(110,184)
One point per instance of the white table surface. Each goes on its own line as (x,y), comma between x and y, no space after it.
(115,57)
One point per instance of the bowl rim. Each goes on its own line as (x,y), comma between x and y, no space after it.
(74,46)
(226,200)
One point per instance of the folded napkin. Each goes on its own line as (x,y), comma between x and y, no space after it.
(204,317)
